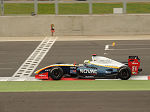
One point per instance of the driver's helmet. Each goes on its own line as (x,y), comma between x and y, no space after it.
(86,61)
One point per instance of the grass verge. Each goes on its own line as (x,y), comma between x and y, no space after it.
(18,8)
(74,8)
(116,85)
(138,8)
(105,8)
(46,8)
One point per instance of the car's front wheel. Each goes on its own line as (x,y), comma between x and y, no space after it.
(124,73)
(56,73)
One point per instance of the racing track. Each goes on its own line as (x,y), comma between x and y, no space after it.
(75,102)
(13,54)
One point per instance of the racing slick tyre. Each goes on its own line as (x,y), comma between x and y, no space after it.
(56,73)
(124,73)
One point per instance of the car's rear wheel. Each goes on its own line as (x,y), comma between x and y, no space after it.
(124,73)
(56,73)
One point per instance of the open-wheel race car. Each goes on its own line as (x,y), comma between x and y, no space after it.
(99,68)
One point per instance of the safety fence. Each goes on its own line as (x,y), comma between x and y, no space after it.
(35,7)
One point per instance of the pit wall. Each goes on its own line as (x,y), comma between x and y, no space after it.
(21,26)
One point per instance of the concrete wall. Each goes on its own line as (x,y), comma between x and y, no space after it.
(75,25)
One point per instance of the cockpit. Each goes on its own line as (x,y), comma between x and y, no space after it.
(98,59)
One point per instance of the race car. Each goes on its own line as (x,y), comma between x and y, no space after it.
(98,68)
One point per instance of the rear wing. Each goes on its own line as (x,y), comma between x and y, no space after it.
(134,64)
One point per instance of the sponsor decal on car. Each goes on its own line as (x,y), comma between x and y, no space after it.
(135,63)
(47,70)
(72,67)
(73,71)
(89,76)
(108,72)
(42,75)
(90,71)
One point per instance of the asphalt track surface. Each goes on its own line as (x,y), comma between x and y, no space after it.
(13,54)
(75,102)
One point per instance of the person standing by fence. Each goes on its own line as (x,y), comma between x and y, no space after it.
(52,29)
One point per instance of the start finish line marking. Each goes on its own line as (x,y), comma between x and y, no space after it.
(30,64)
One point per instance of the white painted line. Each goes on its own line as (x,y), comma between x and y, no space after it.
(134,44)
(106,47)
(30,64)
(132,78)
(139,78)
(4,78)
(33,78)
(129,49)
(18,79)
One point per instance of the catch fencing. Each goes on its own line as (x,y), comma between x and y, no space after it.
(72,7)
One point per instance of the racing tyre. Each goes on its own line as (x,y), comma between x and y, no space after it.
(56,73)
(124,73)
